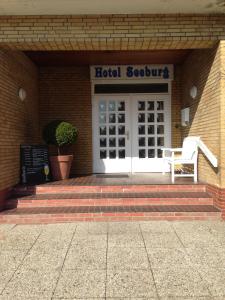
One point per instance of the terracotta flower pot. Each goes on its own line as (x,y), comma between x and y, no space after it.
(60,166)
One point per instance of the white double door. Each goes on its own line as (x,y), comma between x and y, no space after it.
(129,132)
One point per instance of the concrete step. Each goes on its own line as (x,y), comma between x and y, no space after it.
(109,213)
(111,199)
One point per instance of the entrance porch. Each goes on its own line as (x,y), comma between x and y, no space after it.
(121,130)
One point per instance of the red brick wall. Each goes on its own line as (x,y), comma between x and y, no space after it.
(65,93)
(19,120)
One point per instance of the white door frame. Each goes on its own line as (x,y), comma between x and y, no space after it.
(94,113)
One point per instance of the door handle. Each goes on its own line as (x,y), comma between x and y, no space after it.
(127,135)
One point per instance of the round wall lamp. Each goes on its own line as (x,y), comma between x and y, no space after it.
(22,94)
(193,92)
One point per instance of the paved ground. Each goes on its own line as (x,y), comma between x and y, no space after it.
(146,260)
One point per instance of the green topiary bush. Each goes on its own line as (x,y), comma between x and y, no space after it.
(60,133)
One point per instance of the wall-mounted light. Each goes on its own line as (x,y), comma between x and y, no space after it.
(22,94)
(193,92)
(185,117)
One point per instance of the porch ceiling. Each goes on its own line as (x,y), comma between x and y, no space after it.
(77,7)
(68,58)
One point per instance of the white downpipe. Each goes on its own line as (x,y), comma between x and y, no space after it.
(211,157)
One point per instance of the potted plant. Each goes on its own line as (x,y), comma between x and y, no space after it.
(60,134)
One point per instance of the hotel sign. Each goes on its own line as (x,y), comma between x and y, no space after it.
(127,72)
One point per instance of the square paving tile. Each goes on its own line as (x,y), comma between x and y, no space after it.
(9,297)
(162,240)
(179,282)
(124,228)
(60,227)
(199,240)
(28,229)
(127,258)
(134,240)
(192,226)
(45,259)
(17,241)
(81,284)
(86,258)
(5,228)
(9,262)
(214,278)
(92,229)
(31,283)
(130,283)
(154,227)
(90,240)
(165,257)
(206,257)
(53,240)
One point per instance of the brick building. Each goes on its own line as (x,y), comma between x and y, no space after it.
(84,64)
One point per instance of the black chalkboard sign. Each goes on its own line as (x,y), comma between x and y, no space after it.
(34,164)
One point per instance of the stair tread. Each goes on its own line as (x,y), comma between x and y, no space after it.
(63,196)
(111,209)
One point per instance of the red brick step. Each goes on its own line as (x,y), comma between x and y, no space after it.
(109,213)
(60,188)
(112,199)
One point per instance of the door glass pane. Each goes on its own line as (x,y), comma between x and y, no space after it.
(122,153)
(102,118)
(142,153)
(112,118)
(151,141)
(102,130)
(112,130)
(112,154)
(112,106)
(141,141)
(151,118)
(160,129)
(102,106)
(160,105)
(160,117)
(121,106)
(102,142)
(151,153)
(141,105)
(151,105)
(112,142)
(121,118)
(141,118)
(121,142)
(121,129)
(160,141)
(141,129)
(151,129)
(159,153)
(103,154)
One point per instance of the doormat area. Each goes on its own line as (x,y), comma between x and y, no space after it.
(112,176)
